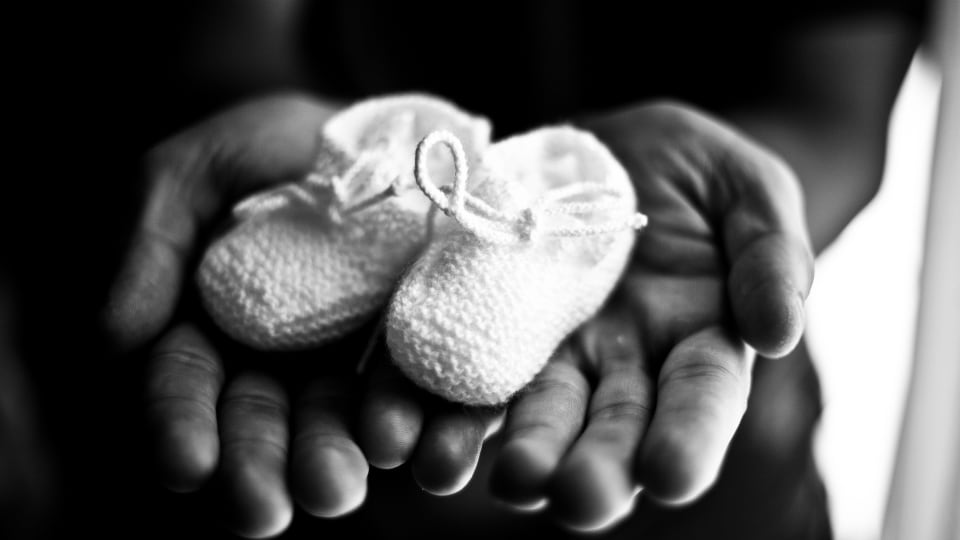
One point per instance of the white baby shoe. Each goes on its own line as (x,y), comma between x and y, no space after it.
(541,236)
(309,261)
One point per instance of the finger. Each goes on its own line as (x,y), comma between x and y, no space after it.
(391,417)
(253,460)
(594,486)
(328,470)
(701,397)
(542,423)
(766,241)
(184,377)
(190,180)
(768,286)
(449,448)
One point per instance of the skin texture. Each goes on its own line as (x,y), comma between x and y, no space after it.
(651,391)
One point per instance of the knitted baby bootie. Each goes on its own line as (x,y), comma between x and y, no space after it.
(307,262)
(541,236)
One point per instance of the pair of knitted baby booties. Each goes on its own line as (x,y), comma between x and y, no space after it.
(487,255)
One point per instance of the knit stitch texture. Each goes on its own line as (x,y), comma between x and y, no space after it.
(475,319)
(308,262)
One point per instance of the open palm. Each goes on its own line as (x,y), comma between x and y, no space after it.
(261,436)
(650,392)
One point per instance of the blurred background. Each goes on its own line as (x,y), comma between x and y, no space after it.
(867,284)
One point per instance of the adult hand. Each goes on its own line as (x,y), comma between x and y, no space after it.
(258,443)
(650,392)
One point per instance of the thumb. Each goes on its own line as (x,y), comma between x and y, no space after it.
(766,242)
(190,180)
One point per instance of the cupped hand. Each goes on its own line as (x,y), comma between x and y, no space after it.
(648,394)
(260,439)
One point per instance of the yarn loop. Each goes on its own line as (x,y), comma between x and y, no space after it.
(499,227)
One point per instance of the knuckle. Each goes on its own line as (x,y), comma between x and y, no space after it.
(705,370)
(245,450)
(560,381)
(183,376)
(253,403)
(617,411)
(552,386)
(164,407)
(187,361)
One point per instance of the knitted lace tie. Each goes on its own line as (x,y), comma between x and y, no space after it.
(499,227)
(339,185)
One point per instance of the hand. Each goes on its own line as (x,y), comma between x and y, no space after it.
(236,431)
(651,391)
